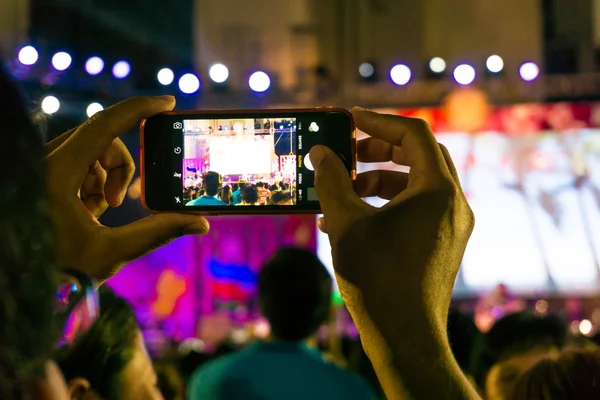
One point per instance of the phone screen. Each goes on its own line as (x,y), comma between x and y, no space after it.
(256,161)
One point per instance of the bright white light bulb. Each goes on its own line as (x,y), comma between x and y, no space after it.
(93,108)
(61,61)
(400,74)
(28,55)
(464,74)
(259,82)
(50,105)
(165,76)
(189,83)
(529,71)
(218,73)
(494,64)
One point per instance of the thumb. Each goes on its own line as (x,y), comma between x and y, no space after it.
(332,184)
(134,240)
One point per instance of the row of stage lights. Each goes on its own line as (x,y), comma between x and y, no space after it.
(188,83)
(463,74)
(259,81)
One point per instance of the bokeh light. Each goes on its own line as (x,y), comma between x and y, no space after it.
(93,108)
(189,83)
(121,69)
(218,73)
(400,74)
(529,71)
(464,74)
(259,82)
(437,65)
(165,76)
(61,61)
(366,70)
(94,65)
(28,55)
(494,64)
(50,105)
(585,327)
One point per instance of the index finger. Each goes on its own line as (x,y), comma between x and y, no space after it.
(420,149)
(91,140)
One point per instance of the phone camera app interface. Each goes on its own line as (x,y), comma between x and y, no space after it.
(240,162)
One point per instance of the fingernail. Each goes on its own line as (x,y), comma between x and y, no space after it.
(197,228)
(166,99)
(317,154)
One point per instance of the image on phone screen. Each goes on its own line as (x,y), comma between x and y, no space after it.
(240,162)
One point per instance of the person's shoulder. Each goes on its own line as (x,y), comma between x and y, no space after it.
(353,382)
(212,373)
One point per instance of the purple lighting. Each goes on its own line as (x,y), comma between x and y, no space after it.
(529,71)
(94,65)
(121,70)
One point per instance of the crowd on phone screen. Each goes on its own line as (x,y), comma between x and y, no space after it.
(395,268)
(212,192)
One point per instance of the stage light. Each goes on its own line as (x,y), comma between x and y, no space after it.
(437,65)
(218,73)
(121,69)
(494,64)
(464,74)
(94,65)
(50,105)
(165,76)
(400,74)
(529,71)
(189,83)
(28,55)
(61,61)
(259,82)
(585,327)
(366,70)
(93,108)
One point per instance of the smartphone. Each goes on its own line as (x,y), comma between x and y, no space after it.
(240,162)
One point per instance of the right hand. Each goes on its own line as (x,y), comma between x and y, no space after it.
(395,265)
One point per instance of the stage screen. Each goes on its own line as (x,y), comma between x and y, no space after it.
(536,199)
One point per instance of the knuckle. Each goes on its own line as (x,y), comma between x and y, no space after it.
(421,124)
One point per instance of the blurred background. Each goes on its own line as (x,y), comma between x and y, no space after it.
(512,88)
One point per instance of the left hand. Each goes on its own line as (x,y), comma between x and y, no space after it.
(89,169)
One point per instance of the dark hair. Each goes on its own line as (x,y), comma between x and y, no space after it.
(462,334)
(235,187)
(280,197)
(573,375)
(226,194)
(250,194)
(28,279)
(103,352)
(273,188)
(294,291)
(211,183)
(260,184)
(515,334)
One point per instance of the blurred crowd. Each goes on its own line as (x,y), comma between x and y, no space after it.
(212,192)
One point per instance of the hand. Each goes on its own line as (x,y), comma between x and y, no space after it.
(91,163)
(395,265)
